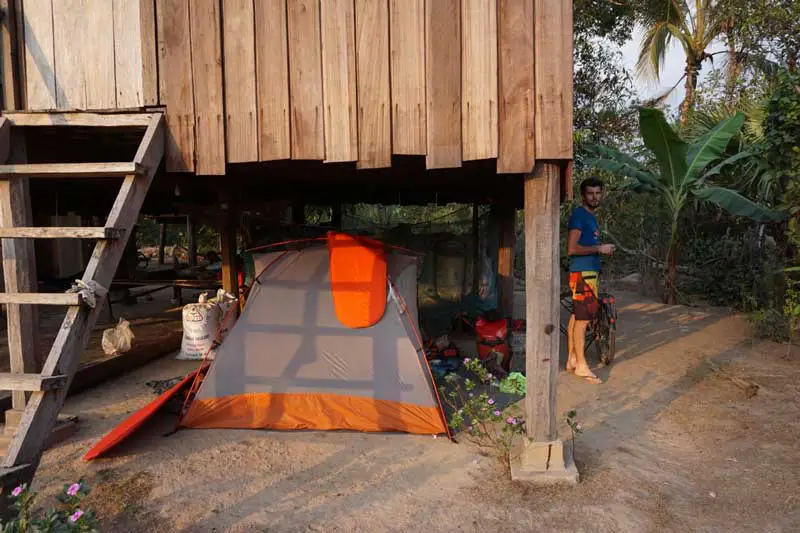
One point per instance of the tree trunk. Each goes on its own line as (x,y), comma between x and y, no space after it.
(734,71)
(671,281)
(692,70)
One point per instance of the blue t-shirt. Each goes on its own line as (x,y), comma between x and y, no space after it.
(581,219)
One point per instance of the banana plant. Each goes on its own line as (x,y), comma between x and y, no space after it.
(684,172)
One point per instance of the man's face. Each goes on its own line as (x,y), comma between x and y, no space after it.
(592,197)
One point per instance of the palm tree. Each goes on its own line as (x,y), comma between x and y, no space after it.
(694,28)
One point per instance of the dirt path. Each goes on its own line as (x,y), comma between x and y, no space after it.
(669,445)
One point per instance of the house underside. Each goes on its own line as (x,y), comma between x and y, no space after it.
(207,108)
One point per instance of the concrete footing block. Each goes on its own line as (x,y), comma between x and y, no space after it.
(544,463)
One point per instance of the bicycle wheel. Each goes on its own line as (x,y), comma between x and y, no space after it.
(608,347)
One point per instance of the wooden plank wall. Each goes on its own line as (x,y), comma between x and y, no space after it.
(89,54)
(341,81)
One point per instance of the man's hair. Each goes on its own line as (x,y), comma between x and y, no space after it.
(591,182)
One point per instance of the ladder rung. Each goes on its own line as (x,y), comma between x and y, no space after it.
(71,170)
(61,233)
(13,470)
(41,298)
(30,382)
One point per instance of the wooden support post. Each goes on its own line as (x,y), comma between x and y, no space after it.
(542,458)
(191,236)
(19,268)
(227,232)
(162,238)
(12,78)
(298,213)
(476,249)
(505,259)
(336,216)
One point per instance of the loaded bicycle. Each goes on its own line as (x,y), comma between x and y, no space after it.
(602,330)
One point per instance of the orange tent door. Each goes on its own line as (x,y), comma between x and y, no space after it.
(358,279)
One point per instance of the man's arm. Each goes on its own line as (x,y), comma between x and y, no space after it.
(573,248)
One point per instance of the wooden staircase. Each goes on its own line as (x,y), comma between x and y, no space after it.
(39,391)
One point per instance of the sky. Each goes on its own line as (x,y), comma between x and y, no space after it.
(670,74)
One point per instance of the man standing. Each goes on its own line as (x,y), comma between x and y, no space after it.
(584,249)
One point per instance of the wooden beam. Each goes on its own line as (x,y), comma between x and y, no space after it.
(30,382)
(73,336)
(10,66)
(71,170)
(476,249)
(108,120)
(19,273)
(5,139)
(61,233)
(40,298)
(151,149)
(191,237)
(336,215)
(542,286)
(506,215)
(162,239)
(230,281)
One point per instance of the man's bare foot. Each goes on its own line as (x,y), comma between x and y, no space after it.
(588,376)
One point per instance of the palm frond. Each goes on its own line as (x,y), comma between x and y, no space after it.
(700,121)
(654,47)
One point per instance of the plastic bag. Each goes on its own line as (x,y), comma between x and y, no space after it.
(117,340)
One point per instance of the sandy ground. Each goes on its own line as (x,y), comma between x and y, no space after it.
(669,445)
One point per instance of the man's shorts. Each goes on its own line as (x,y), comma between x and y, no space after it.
(584,286)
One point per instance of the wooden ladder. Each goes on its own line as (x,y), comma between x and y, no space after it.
(42,394)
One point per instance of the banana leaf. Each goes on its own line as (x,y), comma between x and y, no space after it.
(669,149)
(712,145)
(738,205)
(729,161)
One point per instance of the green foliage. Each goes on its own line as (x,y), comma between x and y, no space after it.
(782,130)
(765,31)
(69,517)
(683,172)
(476,412)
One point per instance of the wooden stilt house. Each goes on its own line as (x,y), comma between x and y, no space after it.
(111,104)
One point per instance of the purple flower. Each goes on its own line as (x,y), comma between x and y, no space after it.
(466,360)
(76,516)
(491,401)
(73,489)
(497,413)
(469,428)
(489,376)
(471,395)
(511,420)
(18,490)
